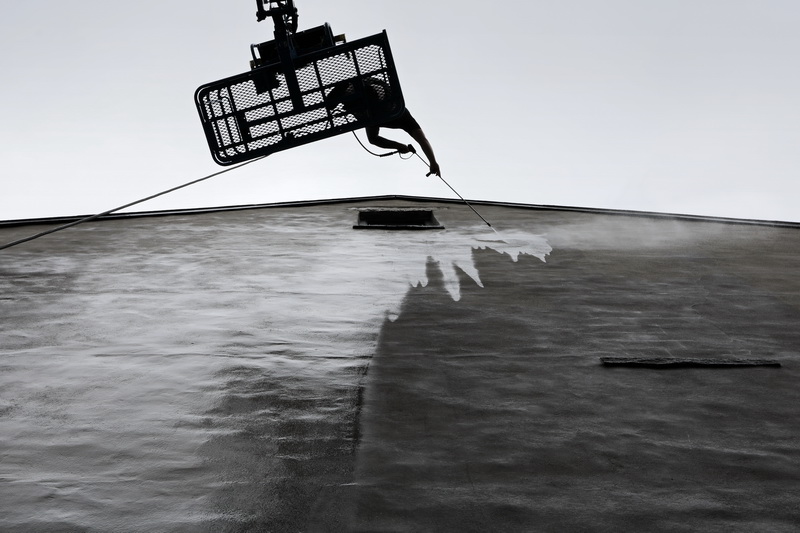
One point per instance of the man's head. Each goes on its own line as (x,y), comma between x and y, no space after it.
(341,92)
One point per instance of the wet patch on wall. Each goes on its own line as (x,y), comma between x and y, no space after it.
(494,413)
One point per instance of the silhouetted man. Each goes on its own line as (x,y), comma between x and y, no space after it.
(377,92)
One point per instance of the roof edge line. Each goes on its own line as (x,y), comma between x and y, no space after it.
(360,199)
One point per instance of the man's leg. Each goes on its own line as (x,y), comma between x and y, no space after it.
(382,142)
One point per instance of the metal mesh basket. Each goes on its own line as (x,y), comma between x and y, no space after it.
(341,89)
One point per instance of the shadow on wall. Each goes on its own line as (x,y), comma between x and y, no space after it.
(495,413)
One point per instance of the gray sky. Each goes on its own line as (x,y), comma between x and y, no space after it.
(681,106)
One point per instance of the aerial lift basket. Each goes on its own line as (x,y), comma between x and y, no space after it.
(287,98)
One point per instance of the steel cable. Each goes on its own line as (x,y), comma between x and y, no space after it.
(104,213)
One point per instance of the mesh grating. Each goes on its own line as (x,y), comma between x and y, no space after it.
(255,114)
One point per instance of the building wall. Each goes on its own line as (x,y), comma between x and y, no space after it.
(274,369)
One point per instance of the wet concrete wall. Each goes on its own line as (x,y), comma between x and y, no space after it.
(494,414)
(275,370)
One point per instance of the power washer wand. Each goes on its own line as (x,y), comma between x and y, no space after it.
(450,186)
(413,151)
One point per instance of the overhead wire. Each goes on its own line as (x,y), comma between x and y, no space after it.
(110,211)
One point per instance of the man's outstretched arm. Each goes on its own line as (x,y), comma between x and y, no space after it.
(419,136)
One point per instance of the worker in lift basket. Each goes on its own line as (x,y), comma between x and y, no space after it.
(377,91)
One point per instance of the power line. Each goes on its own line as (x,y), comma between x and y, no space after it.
(104,213)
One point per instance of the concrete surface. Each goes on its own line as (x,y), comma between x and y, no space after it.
(276,370)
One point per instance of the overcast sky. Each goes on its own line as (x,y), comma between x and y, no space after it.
(680,106)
